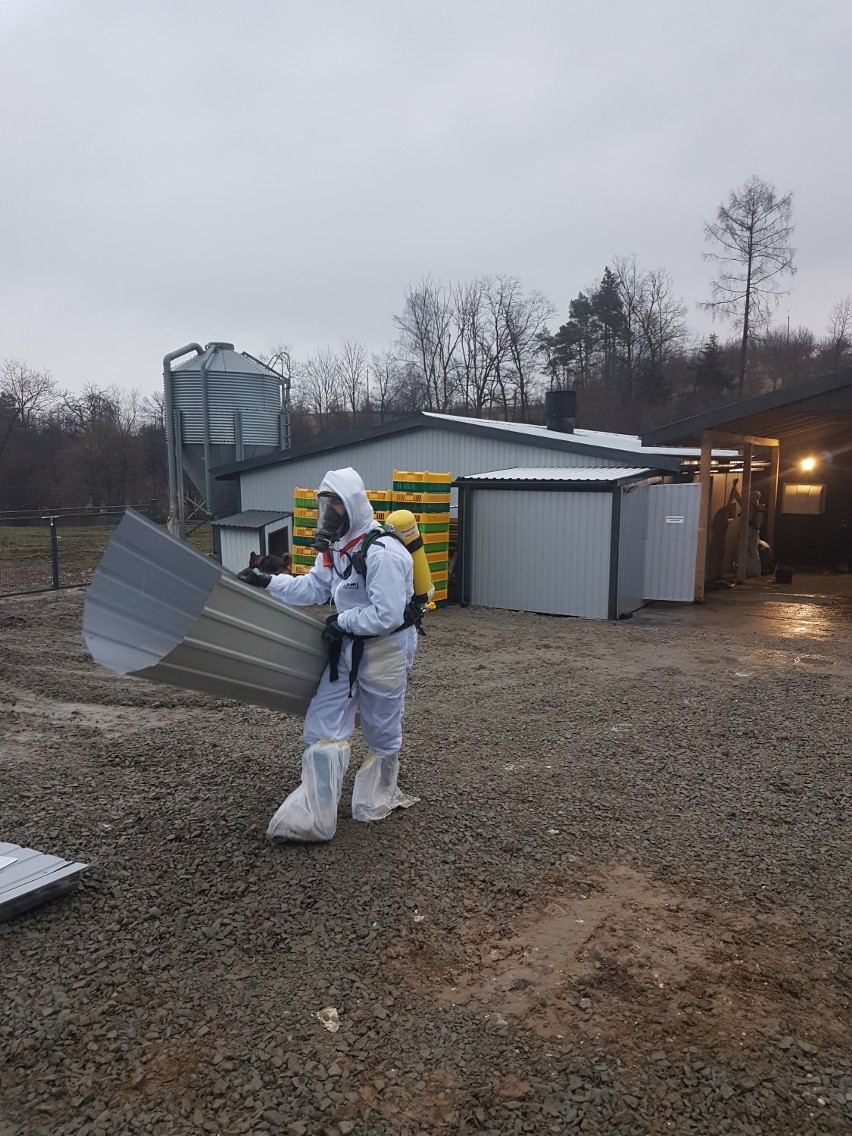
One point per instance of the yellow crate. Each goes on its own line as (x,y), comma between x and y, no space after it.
(379,494)
(304,530)
(439,578)
(422,499)
(300,569)
(437,478)
(306,514)
(305,493)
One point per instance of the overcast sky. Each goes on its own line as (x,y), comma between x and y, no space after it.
(272,171)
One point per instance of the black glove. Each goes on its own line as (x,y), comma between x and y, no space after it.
(333,632)
(254,577)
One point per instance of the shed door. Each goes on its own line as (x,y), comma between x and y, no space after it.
(671,541)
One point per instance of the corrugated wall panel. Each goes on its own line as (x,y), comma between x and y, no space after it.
(671,542)
(631,547)
(257,398)
(437,450)
(236,546)
(544,552)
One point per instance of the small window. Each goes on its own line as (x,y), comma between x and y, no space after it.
(803,498)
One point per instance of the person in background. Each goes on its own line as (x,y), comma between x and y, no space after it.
(371,639)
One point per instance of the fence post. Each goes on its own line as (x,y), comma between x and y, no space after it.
(54,554)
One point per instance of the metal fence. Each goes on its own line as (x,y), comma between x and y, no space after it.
(61,548)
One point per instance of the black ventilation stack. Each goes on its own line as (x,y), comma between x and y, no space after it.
(560,409)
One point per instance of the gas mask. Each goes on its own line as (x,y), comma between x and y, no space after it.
(332,521)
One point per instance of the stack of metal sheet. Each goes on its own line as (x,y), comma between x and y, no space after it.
(28,878)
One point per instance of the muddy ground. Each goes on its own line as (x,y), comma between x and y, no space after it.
(622,905)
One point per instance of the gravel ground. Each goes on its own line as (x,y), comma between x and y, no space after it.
(622,905)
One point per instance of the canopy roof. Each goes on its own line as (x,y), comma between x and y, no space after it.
(820,406)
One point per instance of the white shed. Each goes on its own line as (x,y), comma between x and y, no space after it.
(253,530)
(589,542)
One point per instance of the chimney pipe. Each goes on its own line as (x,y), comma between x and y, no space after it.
(560,408)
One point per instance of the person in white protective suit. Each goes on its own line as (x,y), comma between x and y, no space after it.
(372,640)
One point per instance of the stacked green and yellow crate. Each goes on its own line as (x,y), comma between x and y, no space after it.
(427,495)
(304,530)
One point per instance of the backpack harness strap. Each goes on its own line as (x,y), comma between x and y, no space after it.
(412,616)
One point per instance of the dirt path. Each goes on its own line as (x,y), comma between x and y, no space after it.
(622,906)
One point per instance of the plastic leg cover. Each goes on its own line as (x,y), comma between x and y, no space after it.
(310,812)
(375,792)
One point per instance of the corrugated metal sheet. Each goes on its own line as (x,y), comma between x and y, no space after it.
(28,878)
(542,552)
(671,542)
(158,610)
(256,397)
(438,450)
(579,474)
(633,525)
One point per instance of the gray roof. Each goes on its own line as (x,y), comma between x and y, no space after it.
(251,519)
(565,475)
(591,443)
(820,405)
(222,358)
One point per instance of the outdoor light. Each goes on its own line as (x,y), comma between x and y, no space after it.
(807,465)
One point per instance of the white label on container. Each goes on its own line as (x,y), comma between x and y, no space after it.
(674,520)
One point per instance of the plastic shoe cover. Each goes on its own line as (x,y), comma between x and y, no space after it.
(310,812)
(375,792)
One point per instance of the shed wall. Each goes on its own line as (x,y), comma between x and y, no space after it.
(672,540)
(438,450)
(544,552)
(631,547)
(236,545)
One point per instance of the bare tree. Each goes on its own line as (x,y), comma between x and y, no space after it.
(429,338)
(352,368)
(839,339)
(751,235)
(783,357)
(103,421)
(662,318)
(479,343)
(26,397)
(524,321)
(318,387)
(385,371)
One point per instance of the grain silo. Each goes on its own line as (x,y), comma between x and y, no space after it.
(220,406)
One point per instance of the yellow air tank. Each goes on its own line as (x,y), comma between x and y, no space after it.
(403,523)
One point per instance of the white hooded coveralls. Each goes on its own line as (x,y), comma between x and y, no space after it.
(371,606)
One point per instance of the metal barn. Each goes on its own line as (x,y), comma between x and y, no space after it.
(595,480)
(440,442)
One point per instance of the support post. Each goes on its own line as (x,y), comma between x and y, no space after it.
(772,503)
(703,518)
(54,555)
(180,518)
(745,509)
